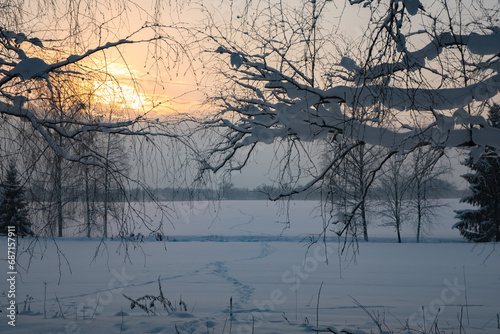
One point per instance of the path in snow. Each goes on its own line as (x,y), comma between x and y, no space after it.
(242,213)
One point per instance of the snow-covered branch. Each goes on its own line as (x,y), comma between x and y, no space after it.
(313,113)
(55,93)
(403,86)
(74,129)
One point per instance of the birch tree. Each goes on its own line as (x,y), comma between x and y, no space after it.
(395,187)
(427,171)
(44,43)
(345,186)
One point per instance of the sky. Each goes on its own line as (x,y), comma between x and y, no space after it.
(154,72)
(182,89)
(162,72)
(146,79)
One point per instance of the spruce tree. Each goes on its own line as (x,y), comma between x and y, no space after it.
(483,224)
(13,205)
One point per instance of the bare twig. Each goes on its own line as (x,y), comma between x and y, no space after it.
(96,305)
(375,321)
(317,308)
(60,308)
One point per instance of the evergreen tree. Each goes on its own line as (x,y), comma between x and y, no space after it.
(483,224)
(13,206)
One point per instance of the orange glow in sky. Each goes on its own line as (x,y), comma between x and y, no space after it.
(127,89)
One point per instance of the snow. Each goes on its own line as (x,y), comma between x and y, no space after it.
(272,278)
(293,122)
(348,63)
(30,68)
(484,44)
(300,119)
(73,58)
(419,99)
(412,6)
(236,60)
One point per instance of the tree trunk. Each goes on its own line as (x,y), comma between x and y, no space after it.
(361,191)
(398,229)
(106,193)
(397,206)
(87,200)
(364,222)
(398,218)
(419,219)
(106,189)
(59,196)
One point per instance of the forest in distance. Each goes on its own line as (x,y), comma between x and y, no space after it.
(228,191)
(442,189)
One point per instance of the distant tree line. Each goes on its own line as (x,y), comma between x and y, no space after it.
(402,193)
(443,189)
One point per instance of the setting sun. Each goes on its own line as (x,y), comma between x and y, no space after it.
(117,95)
(127,89)
(114,93)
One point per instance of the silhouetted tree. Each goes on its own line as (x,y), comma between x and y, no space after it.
(13,207)
(483,224)
(395,187)
(426,183)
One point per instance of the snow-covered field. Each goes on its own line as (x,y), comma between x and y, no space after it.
(276,284)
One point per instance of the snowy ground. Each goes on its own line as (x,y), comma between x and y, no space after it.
(273,281)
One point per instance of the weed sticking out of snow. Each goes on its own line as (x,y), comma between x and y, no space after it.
(147,303)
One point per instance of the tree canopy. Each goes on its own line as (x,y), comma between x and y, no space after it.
(420,75)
